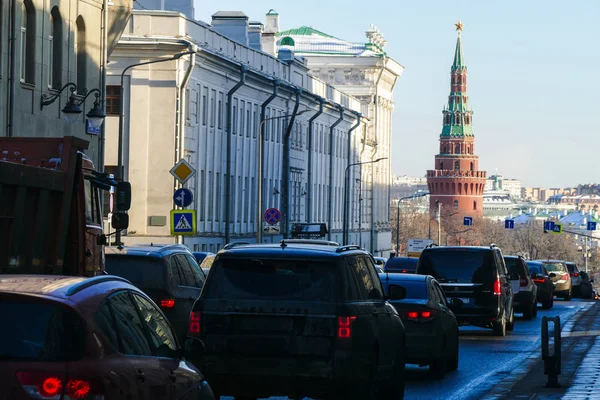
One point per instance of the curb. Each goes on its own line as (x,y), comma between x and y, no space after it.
(505,385)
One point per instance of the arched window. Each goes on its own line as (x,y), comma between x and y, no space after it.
(472,187)
(27,70)
(81,55)
(472,166)
(457,119)
(459,79)
(447,187)
(459,188)
(287,41)
(456,204)
(55,49)
(457,149)
(474,205)
(441,165)
(456,165)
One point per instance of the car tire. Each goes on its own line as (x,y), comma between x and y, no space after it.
(500,327)
(453,361)
(510,326)
(528,312)
(438,367)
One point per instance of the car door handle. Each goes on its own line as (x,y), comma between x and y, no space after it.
(140,375)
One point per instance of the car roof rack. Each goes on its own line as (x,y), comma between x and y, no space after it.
(93,281)
(319,242)
(349,247)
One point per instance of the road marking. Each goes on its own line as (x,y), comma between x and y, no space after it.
(581,333)
(500,338)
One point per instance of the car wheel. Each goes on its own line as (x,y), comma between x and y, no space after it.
(500,327)
(453,361)
(437,368)
(510,326)
(528,312)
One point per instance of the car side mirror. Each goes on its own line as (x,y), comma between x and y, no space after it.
(120,221)
(193,348)
(396,292)
(456,302)
(123,196)
(552,275)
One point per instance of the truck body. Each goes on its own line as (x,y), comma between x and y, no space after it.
(50,208)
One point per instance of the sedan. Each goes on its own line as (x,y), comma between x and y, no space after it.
(431,328)
(545,287)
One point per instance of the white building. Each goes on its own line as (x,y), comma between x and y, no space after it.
(499,183)
(207,108)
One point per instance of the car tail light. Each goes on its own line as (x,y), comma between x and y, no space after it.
(404,271)
(565,277)
(497,288)
(523,282)
(422,316)
(49,386)
(344,330)
(167,303)
(195,319)
(539,280)
(575,274)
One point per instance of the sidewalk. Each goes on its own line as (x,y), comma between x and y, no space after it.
(580,375)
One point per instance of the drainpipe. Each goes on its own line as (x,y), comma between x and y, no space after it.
(309,192)
(180,112)
(261,163)
(331,155)
(11,69)
(286,167)
(372,245)
(347,189)
(243,70)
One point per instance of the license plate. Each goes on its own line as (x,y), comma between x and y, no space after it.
(465,300)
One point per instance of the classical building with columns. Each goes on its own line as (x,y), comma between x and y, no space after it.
(208,108)
(365,71)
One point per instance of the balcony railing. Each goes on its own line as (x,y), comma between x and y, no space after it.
(450,173)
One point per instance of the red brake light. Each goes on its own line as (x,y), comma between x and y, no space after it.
(345,327)
(403,271)
(497,288)
(539,280)
(565,277)
(195,317)
(78,388)
(523,282)
(413,315)
(50,387)
(575,274)
(421,316)
(167,303)
(426,314)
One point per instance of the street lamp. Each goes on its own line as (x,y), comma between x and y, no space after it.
(71,110)
(414,196)
(96,115)
(121,110)
(261,169)
(345,233)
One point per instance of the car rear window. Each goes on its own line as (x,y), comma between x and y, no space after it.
(269,279)
(40,331)
(143,272)
(459,265)
(398,264)
(555,267)
(515,265)
(414,289)
(572,268)
(534,268)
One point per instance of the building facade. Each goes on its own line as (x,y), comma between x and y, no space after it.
(456,182)
(210,109)
(499,183)
(55,43)
(366,72)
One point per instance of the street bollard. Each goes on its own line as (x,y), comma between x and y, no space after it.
(552,362)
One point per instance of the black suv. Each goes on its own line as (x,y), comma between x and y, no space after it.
(169,275)
(479,278)
(298,320)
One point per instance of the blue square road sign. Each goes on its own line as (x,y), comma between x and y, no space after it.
(468,221)
(509,224)
(592,226)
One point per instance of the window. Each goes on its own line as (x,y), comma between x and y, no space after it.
(472,168)
(105,321)
(457,149)
(362,280)
(441,165)
(474,205)
(55,50)
(456,165)
(113,100)
(161,337)
(287,41)
(220,114)
(204,108)
(81,56)
(456,204)
(27,73)
(130,327)
(457,119)
(213,95)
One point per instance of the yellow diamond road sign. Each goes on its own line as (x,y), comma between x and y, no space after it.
(182,171)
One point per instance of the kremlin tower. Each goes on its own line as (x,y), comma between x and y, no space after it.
(456,181)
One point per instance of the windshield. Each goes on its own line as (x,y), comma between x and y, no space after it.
(414,289)
(40,331)
(256,279)
(143,272)
(400,264)
(459,265)
(555,267)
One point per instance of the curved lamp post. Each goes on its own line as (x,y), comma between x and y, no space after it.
(414,196)
(71,110)
(96,115)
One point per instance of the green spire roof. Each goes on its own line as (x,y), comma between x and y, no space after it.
(459,58)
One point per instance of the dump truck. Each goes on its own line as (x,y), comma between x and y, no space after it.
(51,221)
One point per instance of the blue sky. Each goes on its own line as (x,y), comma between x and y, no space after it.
(534,77)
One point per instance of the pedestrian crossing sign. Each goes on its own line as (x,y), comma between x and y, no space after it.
(183,222)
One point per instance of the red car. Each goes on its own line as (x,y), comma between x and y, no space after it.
(89,338)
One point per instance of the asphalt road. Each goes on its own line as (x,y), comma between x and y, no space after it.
(484,358)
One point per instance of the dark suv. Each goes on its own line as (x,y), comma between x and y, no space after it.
(298,320)
(168,274)
(479,278)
